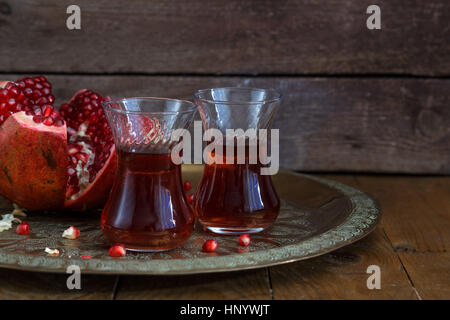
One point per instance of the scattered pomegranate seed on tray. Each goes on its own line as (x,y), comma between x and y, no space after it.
(210,245)
(117,250)
(23,228)
(244,240)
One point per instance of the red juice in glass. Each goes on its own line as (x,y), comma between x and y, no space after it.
(147,209)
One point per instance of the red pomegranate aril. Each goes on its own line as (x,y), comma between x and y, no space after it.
(37,119)
(23,228)
(190,198)
(210,245)
(48,121)
(117,250)
(187,185)
(244,240)
(47,110)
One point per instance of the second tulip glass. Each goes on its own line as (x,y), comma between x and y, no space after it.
(147,209)
(235,198)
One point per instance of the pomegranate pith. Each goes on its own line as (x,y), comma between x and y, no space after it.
(71,233)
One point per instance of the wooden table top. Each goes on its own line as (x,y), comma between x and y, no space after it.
(410,246)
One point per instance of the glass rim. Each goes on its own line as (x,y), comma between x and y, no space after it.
(277,97)
(190,109)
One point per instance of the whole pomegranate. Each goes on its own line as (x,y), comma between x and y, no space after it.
(52,159)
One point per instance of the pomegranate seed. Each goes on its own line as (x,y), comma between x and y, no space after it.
(71,233)
(187,186)
(37,119)
(48,121)
(190,198)
(210,245)
(244,240)
(23,228)
(83,157)
(47,110)
(117,250)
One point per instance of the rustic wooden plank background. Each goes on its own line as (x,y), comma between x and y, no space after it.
(354,99)
(226,37)
(334,124)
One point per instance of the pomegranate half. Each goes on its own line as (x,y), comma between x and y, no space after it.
(53,159)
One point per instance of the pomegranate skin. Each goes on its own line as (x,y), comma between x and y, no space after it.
(33,163)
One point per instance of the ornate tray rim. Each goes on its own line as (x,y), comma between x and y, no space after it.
(362,220)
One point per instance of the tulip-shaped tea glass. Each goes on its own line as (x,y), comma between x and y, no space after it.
(233,196)
(147,209)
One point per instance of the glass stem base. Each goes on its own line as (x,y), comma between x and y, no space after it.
(233,231)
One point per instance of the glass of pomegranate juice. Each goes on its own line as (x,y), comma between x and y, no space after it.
(147,209)
(234,195)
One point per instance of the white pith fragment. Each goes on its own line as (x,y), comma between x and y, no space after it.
(81,133)
(18,211)
(52,252)
(82,171)
(7,220)
(70,233)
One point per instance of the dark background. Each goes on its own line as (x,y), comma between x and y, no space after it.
(354,99)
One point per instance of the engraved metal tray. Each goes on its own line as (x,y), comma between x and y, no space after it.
(317,216)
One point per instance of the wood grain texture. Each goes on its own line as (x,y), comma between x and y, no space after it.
(21,285)
(342,274)
(416,211)
(429,273)
(252,284)
(415,221)
(226,37)
(326,124)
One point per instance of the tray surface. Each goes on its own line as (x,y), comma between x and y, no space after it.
(317,216)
